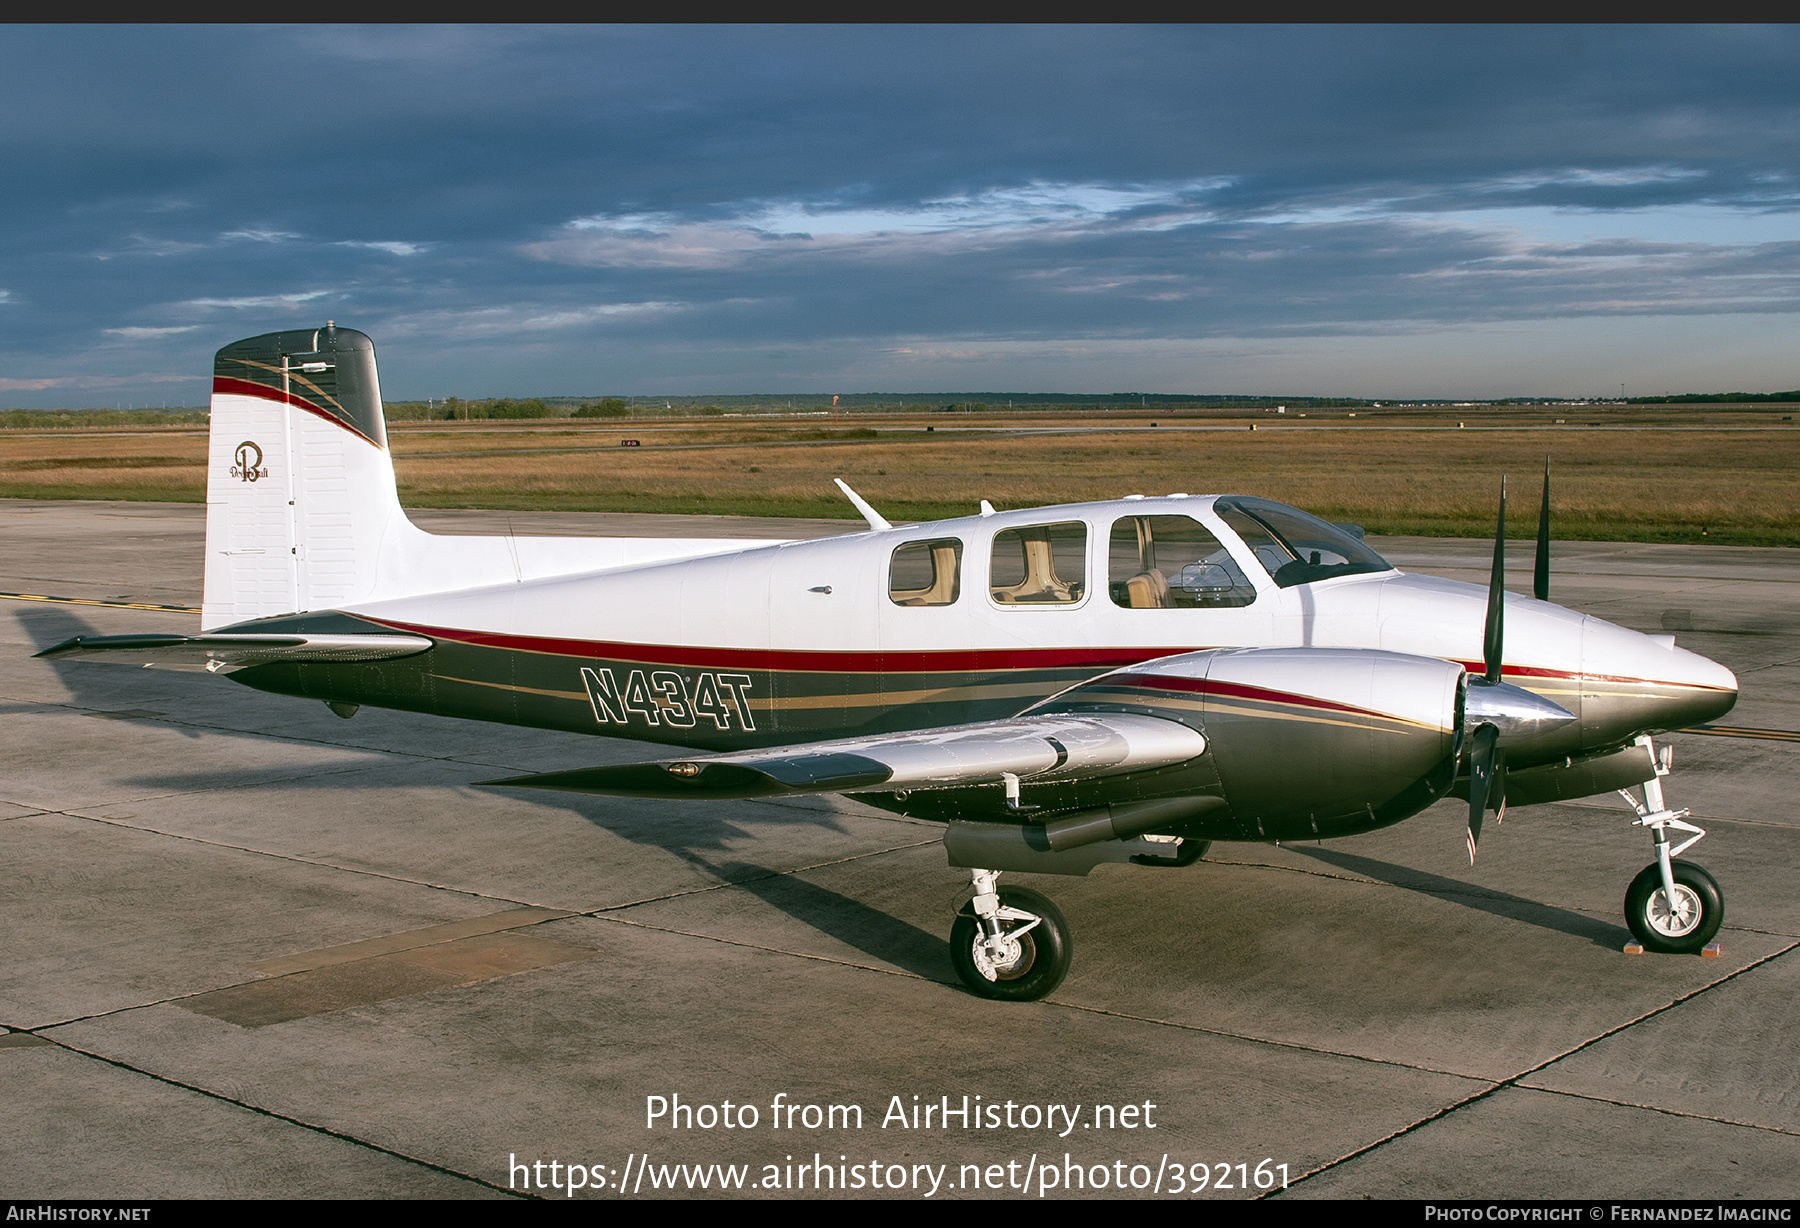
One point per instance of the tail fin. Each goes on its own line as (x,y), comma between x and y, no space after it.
(300,486)
(301,509)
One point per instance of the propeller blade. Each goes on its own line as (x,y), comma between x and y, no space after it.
(1540,586)
(1493,636)
(1482,754)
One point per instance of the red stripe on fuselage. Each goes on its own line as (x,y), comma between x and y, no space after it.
(945,662)
(229,386)
(1478,669)
(954,661)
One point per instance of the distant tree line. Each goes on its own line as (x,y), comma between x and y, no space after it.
(1721,398)
(607,407)
(455,409)
(40,419)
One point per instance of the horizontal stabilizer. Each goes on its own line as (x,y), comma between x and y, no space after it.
(1030,748)
(224,653)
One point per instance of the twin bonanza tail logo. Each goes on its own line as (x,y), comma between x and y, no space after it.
(664,697)
(249,465)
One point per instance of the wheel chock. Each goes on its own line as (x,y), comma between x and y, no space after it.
(1634,947)
(1712,950)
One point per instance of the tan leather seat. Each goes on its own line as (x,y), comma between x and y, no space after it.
(1041,583)
(1149,590)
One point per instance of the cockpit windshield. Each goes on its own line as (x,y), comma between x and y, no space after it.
(1295,547)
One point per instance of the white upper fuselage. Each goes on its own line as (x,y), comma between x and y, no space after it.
(831,596)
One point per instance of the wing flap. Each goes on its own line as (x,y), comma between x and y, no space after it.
(226,652)
(1031,748)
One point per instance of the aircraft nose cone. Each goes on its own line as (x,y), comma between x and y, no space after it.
(1720,700)
(1636,683)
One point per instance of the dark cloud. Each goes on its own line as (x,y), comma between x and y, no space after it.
(510,202)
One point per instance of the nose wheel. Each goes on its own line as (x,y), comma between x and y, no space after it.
(1686,925)
(1009,944)
(1673,907)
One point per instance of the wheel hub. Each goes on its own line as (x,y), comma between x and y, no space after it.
(1678,921)
(1005,958)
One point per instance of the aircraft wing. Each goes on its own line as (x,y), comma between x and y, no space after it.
(226,652)
(1034,747)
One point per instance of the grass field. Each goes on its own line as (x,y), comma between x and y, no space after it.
(1719,474)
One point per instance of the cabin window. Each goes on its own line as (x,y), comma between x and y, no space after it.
(1294,546)
(1043,564)
(1172,563)
(926,573)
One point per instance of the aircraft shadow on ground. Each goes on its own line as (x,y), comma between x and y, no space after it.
(698,833)
(45,626)
(696,828)
(1481,899)
(95,690)
(848,920)
(106,689)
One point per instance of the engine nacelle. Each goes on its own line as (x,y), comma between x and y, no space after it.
(1305,741)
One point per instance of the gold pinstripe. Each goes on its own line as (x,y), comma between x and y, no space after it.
(508,686)
(293,376)
(1277,711)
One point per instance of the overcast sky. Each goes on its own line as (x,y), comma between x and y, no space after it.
(1376,211)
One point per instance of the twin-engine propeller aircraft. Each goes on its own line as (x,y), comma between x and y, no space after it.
(1104,682)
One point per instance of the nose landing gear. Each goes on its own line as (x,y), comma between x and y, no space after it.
(1674,907)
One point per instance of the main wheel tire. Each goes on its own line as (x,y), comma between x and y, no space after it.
(1043,951)
(1700,908)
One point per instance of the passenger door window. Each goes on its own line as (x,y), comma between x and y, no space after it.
(1043,564)
(1172,563)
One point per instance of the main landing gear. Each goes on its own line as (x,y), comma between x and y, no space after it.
(1674,907)
(1011,945)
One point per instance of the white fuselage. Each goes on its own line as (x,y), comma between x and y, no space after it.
(828,601)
